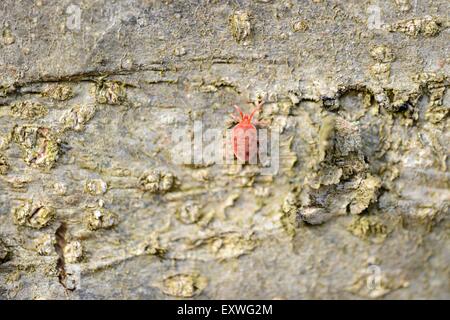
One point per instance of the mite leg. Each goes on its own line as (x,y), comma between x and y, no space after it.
(239,111)
(228,145)
(257,109)
(235,118)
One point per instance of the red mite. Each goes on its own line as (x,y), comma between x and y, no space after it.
(245,136)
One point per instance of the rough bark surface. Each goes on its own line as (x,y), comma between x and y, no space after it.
(94,205)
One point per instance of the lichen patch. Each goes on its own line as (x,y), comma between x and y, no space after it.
(157,181)
(77,117)
(340,181)
(58,92)
(33,214)
(4,165)
(28,110)
(184,285)
(40,146)
(427,26)
(101,218)
(240,25)
(109,92)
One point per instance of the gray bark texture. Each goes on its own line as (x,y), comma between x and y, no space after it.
(95,204)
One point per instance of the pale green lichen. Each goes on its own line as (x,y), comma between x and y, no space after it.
(183,285)
(101,218)
(157,181)
(289,211)
(189,213)
(45,245)
(40,146)
(300,26)
(8,37)
(109,92)
(77,117)
(381,71)
(95,186)
(427,26)
(33,215)
(58,92)
(365,194)
(240,25)
(4,165)
(382,53)
(28,110)
(153,247)
(435,85)
(368,226)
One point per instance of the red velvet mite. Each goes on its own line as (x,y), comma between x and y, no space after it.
(245,136)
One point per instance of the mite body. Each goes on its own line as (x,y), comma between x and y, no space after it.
(245,136)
